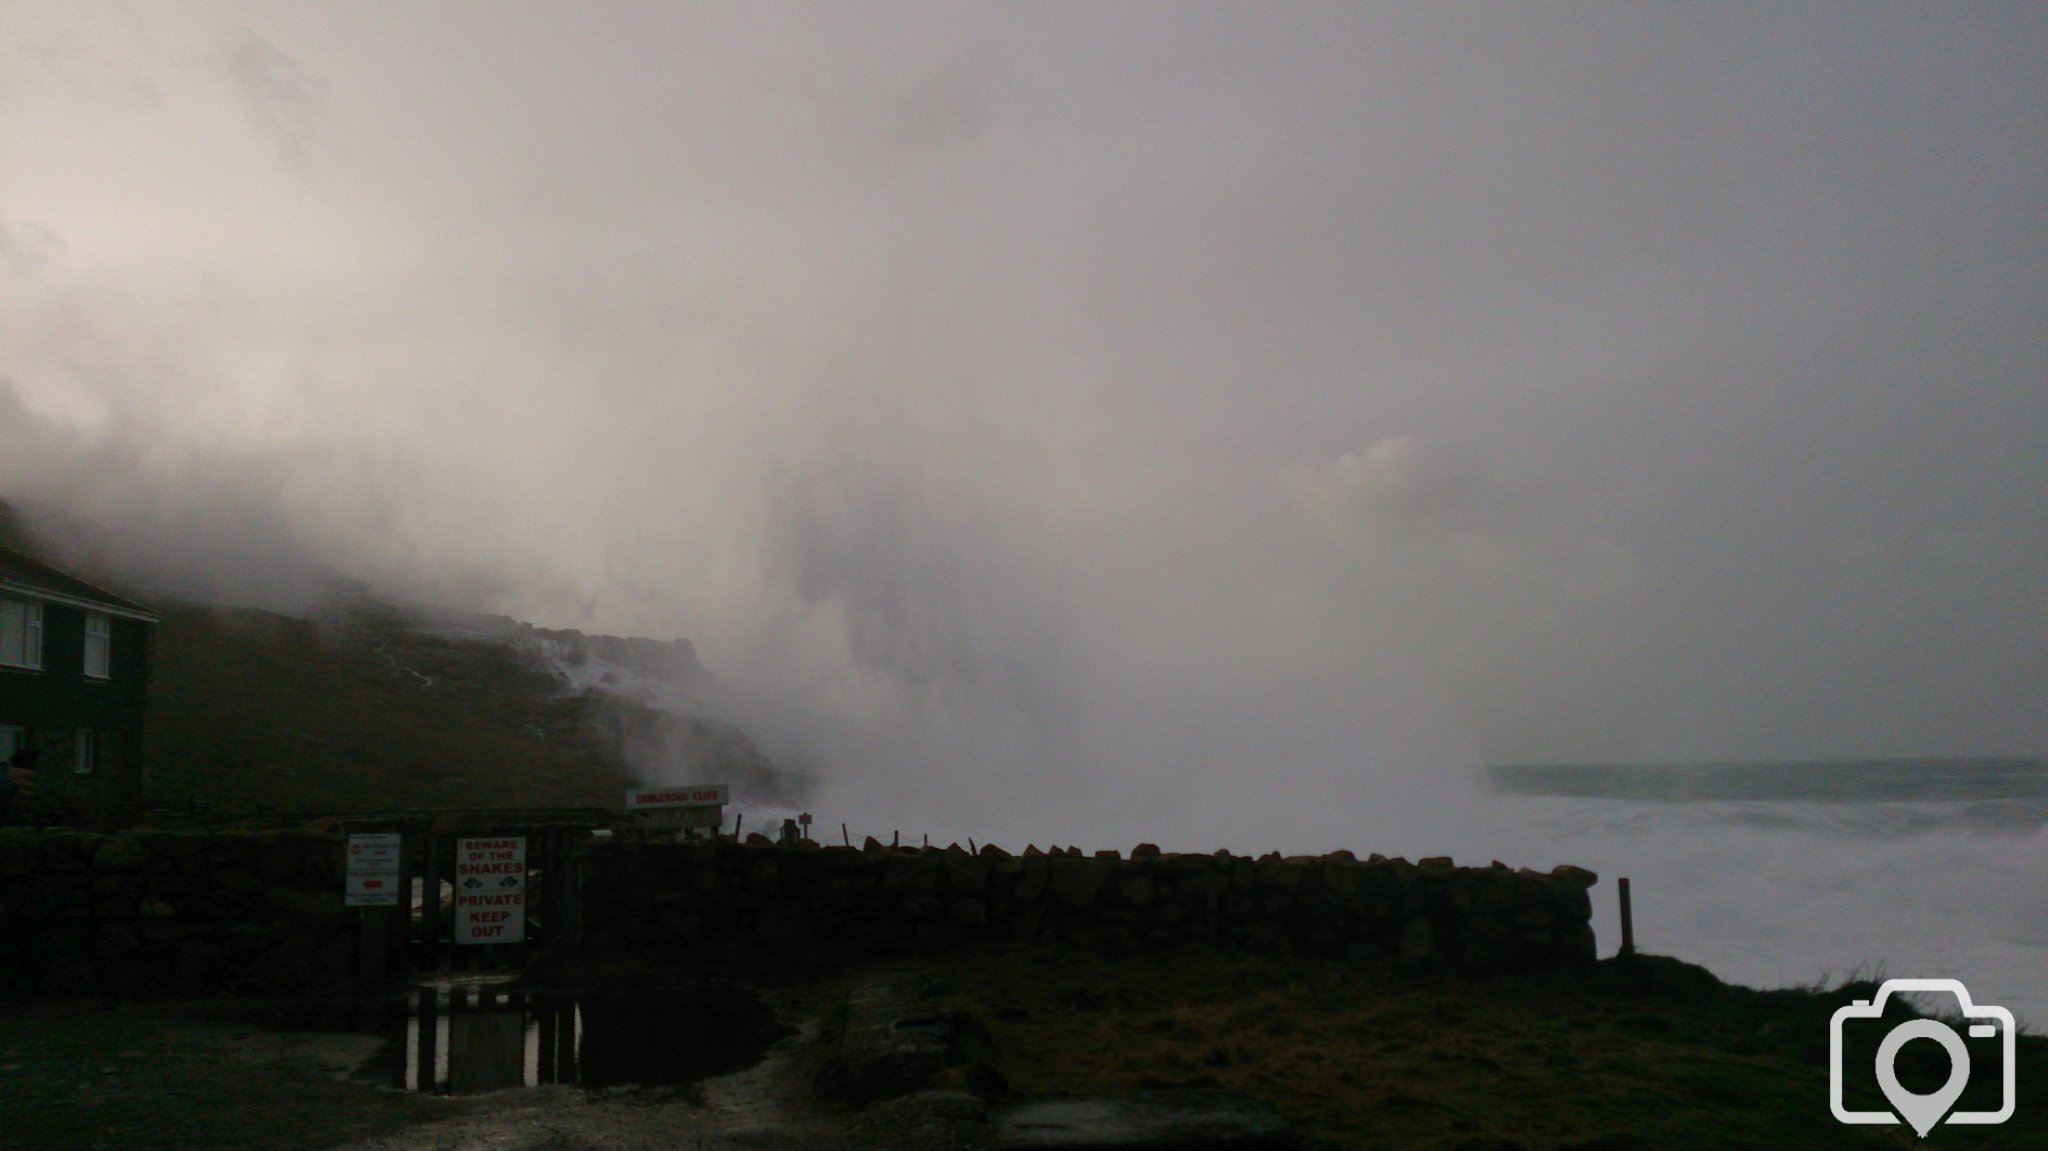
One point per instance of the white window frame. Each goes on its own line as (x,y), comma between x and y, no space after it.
(99,640)
(31,634)
(81,751)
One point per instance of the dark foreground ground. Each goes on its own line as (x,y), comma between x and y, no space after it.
(1646,1053)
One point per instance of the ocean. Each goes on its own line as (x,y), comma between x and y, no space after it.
(1793,874)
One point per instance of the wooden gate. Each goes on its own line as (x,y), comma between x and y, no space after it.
(420,935)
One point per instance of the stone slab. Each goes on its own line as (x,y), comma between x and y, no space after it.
(895,1037)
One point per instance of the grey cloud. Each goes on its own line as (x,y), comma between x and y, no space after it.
(1087,409)
(285,99)
(25,249)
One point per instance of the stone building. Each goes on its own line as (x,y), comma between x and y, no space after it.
(74,665)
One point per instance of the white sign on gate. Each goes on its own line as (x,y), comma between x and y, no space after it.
(373,879)
(490,890)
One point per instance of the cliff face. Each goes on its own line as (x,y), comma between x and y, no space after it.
(373,705)
(362,703)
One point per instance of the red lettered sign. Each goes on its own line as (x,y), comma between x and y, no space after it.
(372,870)
(490,890)
(686,795)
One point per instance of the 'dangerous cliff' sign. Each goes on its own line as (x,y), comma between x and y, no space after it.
(490,890)
(688,795)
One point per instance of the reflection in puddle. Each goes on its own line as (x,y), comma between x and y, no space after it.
(463,1039)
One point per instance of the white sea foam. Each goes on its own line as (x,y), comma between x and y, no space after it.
(1793,893)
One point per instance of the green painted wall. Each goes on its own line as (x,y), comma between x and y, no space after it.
(56,701)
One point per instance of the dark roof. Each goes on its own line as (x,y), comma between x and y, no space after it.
(34,577)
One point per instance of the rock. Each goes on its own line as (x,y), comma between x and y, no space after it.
(171,844)
(118,939)
(1145,851)
(1032,883)
(119,853)
(61,846)
(1137,890)
(1418,941)
(1286,875)
(894,1038)
(906,872)
(1075,881)
(237,881)
(286,965)
(926,1121)
(966,876)
(1341,876)
(1571,876)
(678,925)
(1496,894)
(951,1105)
(197,963)
(312,905)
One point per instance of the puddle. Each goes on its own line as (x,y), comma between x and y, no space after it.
(475,1036)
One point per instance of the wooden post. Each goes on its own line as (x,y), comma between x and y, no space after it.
(430,904)
(548,900)
(568,1068)
(1628,921)
(545,1013)
(396,1015)
(570,929)
(842,835)
(430,1041)
(373,944)
(398,937)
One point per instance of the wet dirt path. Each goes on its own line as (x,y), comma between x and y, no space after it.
(85,1077)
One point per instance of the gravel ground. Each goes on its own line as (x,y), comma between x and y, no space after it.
(181,1077)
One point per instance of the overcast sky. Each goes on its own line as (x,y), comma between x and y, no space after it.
(1014,398)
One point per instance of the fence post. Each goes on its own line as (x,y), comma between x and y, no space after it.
(430,904)
(1628,921)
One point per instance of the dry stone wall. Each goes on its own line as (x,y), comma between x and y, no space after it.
(643,894)
(169,912)
(163,912)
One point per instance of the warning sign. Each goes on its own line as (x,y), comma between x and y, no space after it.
(490,890)
(372,878)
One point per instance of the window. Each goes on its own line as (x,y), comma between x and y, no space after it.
(82,752)
(12,739)
(21,633)
(99,642)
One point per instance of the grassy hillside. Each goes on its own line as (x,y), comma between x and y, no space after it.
(250,710)
(1637,1053)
